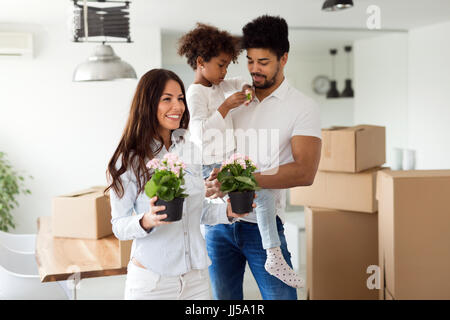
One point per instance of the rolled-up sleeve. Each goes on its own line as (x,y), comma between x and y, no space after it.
(125,224)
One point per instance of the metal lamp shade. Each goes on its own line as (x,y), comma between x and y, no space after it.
(104,65)
(348,90)
(334,5)
(333,92)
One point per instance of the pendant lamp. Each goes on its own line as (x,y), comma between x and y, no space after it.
(98,19)
(333,92)
(348,90)
(103,65)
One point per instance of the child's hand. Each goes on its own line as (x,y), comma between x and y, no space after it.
(249,94)
(235,100)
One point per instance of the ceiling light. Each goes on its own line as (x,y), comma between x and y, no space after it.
(104,65)
(335,5)
(333,92)
(102,19)
(348,90)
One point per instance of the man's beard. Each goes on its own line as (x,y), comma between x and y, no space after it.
(267,83)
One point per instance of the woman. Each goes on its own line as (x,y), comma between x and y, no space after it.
(168,259)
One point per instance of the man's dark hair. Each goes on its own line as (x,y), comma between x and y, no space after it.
(267,32)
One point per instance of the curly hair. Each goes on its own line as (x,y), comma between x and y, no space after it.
(207,42)
(267,32)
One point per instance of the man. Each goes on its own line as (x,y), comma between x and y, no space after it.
(292,122)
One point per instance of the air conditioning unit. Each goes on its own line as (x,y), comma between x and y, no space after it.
(16,45)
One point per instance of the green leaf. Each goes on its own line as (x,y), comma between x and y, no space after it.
(165,179)
(234,171)
(246,180)
(12,184)
(151,188)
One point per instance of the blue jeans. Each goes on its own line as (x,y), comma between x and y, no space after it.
(229,247)
(207,168)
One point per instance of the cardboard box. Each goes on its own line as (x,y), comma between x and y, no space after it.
(125,252)
(353,149)
(84,214)
(414,233)
(341,245)
(387,295)
(339,190)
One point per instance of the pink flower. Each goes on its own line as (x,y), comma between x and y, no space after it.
(171,157)
(242,163)
(153,164)
(176,170)
(238,159)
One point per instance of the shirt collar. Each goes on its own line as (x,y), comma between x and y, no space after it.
(177,136)
(280,92)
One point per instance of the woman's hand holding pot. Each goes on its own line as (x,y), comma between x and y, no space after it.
(151,219)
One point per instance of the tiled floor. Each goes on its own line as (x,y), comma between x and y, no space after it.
(107,288)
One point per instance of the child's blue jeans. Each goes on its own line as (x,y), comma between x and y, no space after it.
(207,168)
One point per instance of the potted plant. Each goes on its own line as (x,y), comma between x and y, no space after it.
(237,179)
(11,185)
(166,183)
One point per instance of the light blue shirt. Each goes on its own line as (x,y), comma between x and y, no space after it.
(178,247)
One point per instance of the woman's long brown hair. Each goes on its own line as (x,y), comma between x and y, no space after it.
(141,130)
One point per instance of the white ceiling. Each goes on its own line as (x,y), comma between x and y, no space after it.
(179,15)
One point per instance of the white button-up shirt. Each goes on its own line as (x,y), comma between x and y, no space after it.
(264,129)
(178,247)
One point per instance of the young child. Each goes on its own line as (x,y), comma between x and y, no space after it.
(210,99)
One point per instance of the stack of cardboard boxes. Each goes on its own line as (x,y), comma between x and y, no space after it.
(341,213)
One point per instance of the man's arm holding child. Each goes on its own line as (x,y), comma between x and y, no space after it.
(306,152)
(301,172)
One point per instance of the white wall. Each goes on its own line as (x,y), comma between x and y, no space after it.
(303,68)
(402,81)
(429,96)
(64,133)
(381,87)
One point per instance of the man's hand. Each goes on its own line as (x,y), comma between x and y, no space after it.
(213,186)
(230,212)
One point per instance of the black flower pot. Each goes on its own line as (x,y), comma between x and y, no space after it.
(174,209)
(241,202)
